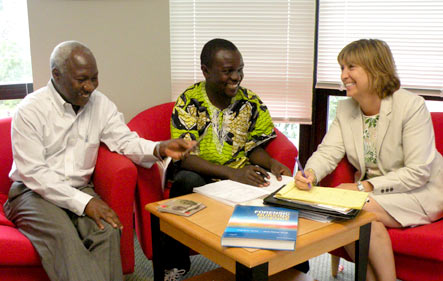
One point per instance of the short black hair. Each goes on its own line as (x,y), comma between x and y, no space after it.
(212,47)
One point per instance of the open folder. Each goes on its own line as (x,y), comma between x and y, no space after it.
(324,195)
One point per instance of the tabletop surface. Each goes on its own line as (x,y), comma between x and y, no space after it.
(202,232)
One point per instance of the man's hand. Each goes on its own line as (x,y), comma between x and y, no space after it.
(97,209)
(278,169)
(175,148)
(251,174)
(303,183)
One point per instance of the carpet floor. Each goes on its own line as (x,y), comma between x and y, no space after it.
(319,267)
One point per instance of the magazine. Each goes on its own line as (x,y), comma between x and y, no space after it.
(182,207)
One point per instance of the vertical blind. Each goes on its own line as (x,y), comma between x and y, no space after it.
(412,29)
(275,37)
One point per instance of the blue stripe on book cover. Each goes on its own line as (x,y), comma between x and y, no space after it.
(262,222)
(260,233)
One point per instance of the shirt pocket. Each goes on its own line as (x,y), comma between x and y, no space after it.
(89,156)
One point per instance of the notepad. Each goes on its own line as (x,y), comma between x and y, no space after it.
(324,195)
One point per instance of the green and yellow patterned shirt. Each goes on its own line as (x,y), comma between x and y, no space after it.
(229,134)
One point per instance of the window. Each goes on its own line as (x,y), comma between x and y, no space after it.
(332,107)
(432,105)
(15,66)
(275,37)
(291,131)
(412,29)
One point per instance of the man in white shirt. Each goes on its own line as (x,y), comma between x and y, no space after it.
(56,132)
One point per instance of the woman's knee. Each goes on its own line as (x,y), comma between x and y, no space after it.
(378,231)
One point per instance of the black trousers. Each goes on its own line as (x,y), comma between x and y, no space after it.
(175,254)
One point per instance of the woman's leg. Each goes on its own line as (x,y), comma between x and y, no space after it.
(381,257)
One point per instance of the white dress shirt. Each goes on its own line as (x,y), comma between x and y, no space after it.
(55,149)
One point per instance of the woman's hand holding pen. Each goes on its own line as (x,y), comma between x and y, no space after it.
(303,182)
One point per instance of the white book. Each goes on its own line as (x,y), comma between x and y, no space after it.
(232,193)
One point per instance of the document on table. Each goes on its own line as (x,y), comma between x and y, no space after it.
(233,193)
(324,195)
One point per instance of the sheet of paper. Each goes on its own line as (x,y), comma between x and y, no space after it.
(275,184)
(232,192)
(325,195)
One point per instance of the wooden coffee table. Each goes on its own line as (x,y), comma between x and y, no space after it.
(202,233)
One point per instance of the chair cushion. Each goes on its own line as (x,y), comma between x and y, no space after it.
(411,268)
(424,241)
(421,242)
(3,219)
(16,249)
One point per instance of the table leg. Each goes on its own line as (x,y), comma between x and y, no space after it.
(156,249)
(361,252)
(257,273)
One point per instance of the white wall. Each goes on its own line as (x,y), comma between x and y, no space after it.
(129,38)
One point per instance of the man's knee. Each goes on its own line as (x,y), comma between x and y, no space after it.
(185,181)
(108,235)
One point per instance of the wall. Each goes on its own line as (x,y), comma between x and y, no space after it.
(129,38)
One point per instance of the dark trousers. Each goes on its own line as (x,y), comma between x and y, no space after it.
(176,255)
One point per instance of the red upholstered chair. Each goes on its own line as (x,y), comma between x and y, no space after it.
(154,124)
(418,251)
(114,179)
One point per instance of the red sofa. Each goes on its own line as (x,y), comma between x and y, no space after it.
(154,124)
(418,251)
(114,179)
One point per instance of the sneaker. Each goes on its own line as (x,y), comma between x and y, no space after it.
(174,274)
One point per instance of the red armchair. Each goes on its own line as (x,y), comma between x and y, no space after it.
(418,251)
(154,124)
(114,179)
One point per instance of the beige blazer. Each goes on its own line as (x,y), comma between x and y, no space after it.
(406,152)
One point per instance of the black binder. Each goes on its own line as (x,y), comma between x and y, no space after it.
(306,207)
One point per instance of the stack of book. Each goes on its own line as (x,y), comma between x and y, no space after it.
(261,227)
(319,203)
(181,207)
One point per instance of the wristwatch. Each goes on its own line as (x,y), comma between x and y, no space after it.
(360,186)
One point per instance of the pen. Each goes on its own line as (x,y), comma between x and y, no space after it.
(300,167)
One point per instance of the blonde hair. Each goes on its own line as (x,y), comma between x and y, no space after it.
(375,57)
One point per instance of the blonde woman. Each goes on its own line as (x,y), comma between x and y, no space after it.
(386,133)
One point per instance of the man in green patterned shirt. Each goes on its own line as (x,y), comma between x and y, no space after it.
(232,126)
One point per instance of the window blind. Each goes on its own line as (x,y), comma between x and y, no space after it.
(275,37)
(412,29)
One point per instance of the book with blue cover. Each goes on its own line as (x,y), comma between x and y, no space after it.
(261,227)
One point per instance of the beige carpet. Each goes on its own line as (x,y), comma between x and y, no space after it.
(320,267)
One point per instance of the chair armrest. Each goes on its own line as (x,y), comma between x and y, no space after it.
(283,150)
(114,180)
(149,189)
(344,173)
